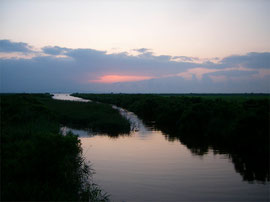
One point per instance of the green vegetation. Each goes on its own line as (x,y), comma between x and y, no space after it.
(233,124)
(39,163)
(98,117)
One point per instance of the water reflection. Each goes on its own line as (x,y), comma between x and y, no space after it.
(81,133)
(88,133)
(68,97)
(253,167)
(145,166)
(132,168)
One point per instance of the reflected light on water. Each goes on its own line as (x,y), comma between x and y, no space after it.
(145,166)
(68,97)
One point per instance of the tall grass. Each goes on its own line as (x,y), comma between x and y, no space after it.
(98,117)
(37,162)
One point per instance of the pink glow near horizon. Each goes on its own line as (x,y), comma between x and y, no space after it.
(120,78)
(187,75)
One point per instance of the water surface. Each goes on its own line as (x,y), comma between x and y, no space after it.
(146,166)
(68,97)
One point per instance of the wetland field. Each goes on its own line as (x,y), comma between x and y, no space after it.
(135,147)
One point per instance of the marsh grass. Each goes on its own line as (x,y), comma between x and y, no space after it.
(37,162)
(97,117)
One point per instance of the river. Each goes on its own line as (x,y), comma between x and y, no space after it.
(147,166)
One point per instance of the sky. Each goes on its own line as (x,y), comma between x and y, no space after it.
(154,46)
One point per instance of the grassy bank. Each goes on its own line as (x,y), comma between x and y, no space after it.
(233,124)
(98,117)
(38,163)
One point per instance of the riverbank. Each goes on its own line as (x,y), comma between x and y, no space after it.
(98,117)
(39,163)
(238,126)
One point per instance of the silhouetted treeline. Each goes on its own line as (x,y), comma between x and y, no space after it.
(238,126)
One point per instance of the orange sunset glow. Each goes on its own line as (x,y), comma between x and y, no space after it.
(120,78)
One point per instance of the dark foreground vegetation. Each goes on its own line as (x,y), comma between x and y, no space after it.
(237,125)
(100,117)
(40,164)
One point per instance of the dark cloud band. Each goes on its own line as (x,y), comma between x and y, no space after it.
(64,69)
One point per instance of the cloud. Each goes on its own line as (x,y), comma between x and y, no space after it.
(223,74)
(250,60)
(235,73)
(142,50)
(85,54)
(197,72)
(147,53)
(177,84)
(164,57)
(185,58)
(8,47)
(55,50)
(219,78)
(91,70)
